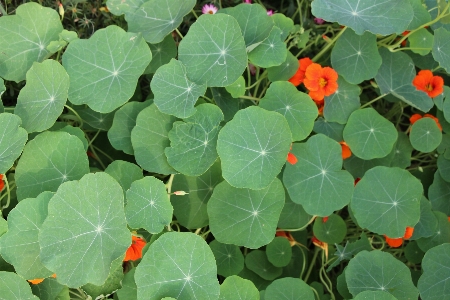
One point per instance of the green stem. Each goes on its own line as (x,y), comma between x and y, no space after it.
(93,139)
(104,153)
(372,101)
(249,98)
(408,48)
(327,47)
(8,199)
(313,261)
(80,120)
(301,228)
(195,14)
(179,33)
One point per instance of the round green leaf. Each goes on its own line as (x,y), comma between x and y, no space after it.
(49,160)
(76,131)
(178,264)
(120,7)
(253,147)
(14,287)
(402,152)
(413,253)
(270,52)
(85,230)
(425,135)
(358,167)
(162,54)
(229,258)
(438,193)
(29,32)
(444,167)
(284,71)
(50,289)
(119,134)
(105,80)
(19,245)
(149,139)
(427,223)
(297,107)
(436,273)
(279,252)
(387,200)
(441,48)
(316,181)
(290,289)
(333,231)
(174,93)
(124,173)
(339,106)
(369,135)
(341,286)
(356,56)
(235,286)
(286,24)
(213,51)
(190,209)
(112,283)
(395,77)
(440,235)
(257,262)
(421,14)
(237,88)
(42,99)
(377,270)
(374,295)
(350,249)
(129,289)
(253,21)
(332,130)
(193,142)
(156,18)
(245,217)
(260,283)
(148,205)
(421,41)
(377,16)
(12,141)
(293,215)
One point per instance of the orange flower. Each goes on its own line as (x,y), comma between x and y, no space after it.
(393,243)
(408,233)
(299,76)
(291,157)
(415,117)
(288,236)
(404,42)
(39,280)
(320,244)
(324,219)
(2,184)
(426,82)
(346,152)
(134,252)
(320,81)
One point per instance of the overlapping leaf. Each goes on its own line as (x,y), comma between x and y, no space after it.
(293,215)
(229,105)
(428,222)
(436,265)
(333,231)
(120,7)
(235,286)
(237,88)
(14,287)
(290,289)
(129,289)
(279,252)
(421,41)
(441,48)
(229,258)
(112,283)
(270,52)
(425,135)
(285,70)
(162,54)
(12,140)
(50,289)
(339,105)
(421,14)
(332,130)
(125,173)
(257,262)
(438,194)
(97,120)
(441,234)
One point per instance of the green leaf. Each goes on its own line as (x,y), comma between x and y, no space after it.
(332,130)
(427,223)
(425,135)
(253,147)
(119,134)
(286,24)
(413,253)
(162,54)
(237,88)
(42,99)
(289,289)
(438,193)
(293,215)
(97,120)
(297,262)
(441,48)
(229,258)
(260,283)
(174,93)
(190,209)
(245,217)
(340,105)
(297,107)
(387,200)
(374,295)
(156,19)
(19,245)
(56,46)
(15,287)
(358,167)
(422,39)
(341,286)
(257,262)
(440,235)
(178,264)
(68,35)
(149,139)
(235,286)
(285,70)
(369,135)
(402,152)
(378,16)
(395,77)
(253,21)
(347,251)
(193,142)
(270,52)
(221,57)
(316,181)
(279,252)
(333,231)
(377,270)
(421,14)
(303,38)
(76,131)
(443,165)
(120,7)
(23,46)
(436,265)
(148,205)
(49,160)
(12,141)
(112,283)
(81,235)
(229,105)
(125,173)
(50,289)
(129,289)
(105,80)
(356,57)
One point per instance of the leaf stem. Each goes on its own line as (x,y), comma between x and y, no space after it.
(313,261)
(8,199)
(249,98)
(301,228)
(372,101)
(179,33)
(80,120)
(327,47)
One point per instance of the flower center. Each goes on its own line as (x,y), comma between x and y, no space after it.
(322,82)
(210,12)
(429,87)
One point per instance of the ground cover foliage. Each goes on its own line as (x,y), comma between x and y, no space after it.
(181,149)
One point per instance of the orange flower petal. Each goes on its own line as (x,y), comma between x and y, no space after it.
(346,152)
(36,281)
(292,159)
(330,88)
(316,95)
(437,84)
(414,118)
(324,219)
(134,252)
(408,233)
(393,243)
(286,235)
(304,63)
(313,72)
(330,74)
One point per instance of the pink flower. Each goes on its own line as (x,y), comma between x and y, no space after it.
(319,21)
(209,9)
(248,1)
(270,12)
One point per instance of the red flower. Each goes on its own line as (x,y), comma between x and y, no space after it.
(2,183)
(346,152)
(291,157)
(299,76)
(286,235)
(324,219)
(426,82)
(320,81)
(397,242)
(134,252)
(408,233)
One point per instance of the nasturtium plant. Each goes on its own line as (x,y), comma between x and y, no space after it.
(181,149)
